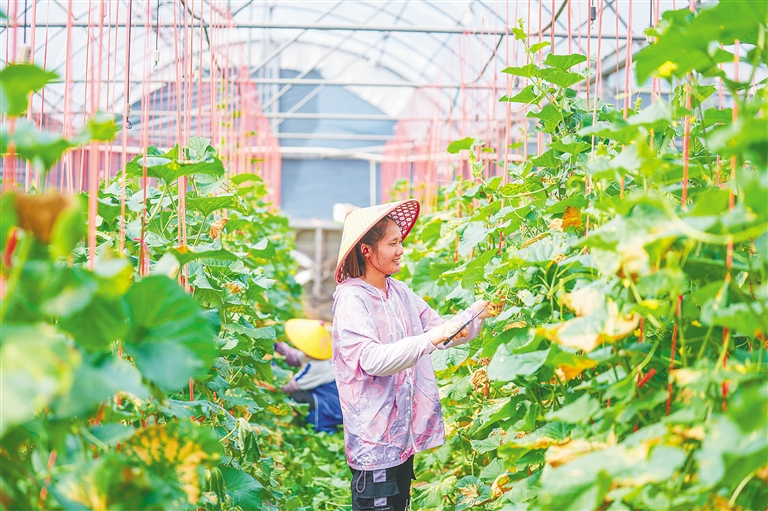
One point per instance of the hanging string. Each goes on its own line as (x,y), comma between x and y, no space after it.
(31,60)
(126,122)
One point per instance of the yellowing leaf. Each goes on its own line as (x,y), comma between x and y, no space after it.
(561,454)
(571,217)
(217,227)
(604,324)
(571,370)
(583,301)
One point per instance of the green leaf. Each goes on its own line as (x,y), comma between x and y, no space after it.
(37,364)
(245,491)
(526,71)
(97,381)
(168,168)
(527,96)
(17,81)
(745,318)
(548,113)
(570,145)
(100,127)
(97,325)
(169,337)
(473,234)
(207,205)
(475,271)
(558,77)
(111,434)
(451,357)
(547,160)
(197,147)
(578,412)
(68,230)
(464,144)
(189,254)
(41,148)
(492,470)
(564,62)
(539,46)
(431,495)
(472,492)
(506,367)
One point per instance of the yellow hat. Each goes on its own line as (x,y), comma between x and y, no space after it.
(360,221)
(310,336)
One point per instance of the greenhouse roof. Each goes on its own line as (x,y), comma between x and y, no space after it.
(381,50)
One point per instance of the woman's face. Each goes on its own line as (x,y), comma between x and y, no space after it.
(386,256)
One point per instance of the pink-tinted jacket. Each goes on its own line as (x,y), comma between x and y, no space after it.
(387,386)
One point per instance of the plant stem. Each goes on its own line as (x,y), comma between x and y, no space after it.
(18,267)
(200,232)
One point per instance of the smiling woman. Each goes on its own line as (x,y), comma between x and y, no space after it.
(382,337)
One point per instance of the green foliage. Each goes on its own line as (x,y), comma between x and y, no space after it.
(41,148)
(17,81)
(602,268)
(70,395)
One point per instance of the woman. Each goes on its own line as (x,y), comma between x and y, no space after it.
(382,337)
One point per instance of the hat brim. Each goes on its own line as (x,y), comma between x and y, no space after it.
(404,213)
(309,336)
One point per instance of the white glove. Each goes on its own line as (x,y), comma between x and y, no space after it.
(440,334)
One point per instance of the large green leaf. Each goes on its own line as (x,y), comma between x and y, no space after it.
(97,325)
(578,412)
(443,359)
(527,95)
(473,233)
(169,336)
(17,81)
(564,62)
(100,127)
(37,365)
(168,167)
(207,205)
(526,71)
(96,381)
(464,144)
(244,490)
(506,366)
(559,77)
(41,148)
(685,41)
(188,254)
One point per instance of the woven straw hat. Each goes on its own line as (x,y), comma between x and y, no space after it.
(359,221)
(310,336)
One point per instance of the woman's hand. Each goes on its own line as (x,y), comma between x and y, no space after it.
(486,309)
(440,334)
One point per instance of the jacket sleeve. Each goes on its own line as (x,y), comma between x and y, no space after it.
(359,345)
(293,357)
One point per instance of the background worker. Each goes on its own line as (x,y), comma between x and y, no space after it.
(314,382)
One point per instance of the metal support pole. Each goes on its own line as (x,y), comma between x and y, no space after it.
(317,278)
(372,182)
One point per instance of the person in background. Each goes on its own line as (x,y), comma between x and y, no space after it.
(383,334)
(314,382)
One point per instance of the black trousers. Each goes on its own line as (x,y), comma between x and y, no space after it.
(387,489)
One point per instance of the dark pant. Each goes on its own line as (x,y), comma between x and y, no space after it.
(302,396)
(387,489)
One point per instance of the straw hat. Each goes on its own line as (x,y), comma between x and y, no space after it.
(310,336)
(359,221)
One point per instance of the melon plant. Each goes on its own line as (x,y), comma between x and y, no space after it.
(627,368)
